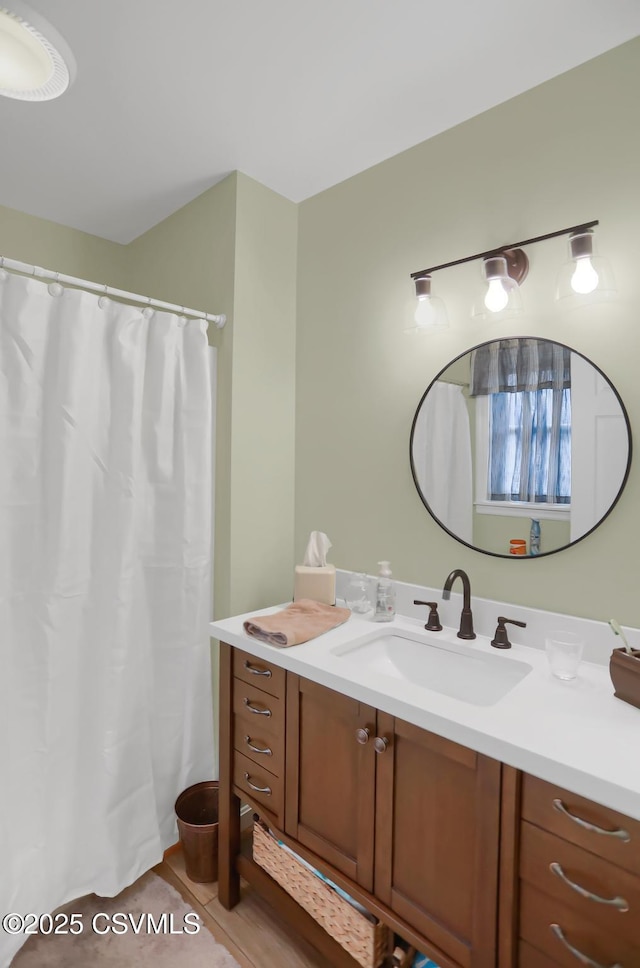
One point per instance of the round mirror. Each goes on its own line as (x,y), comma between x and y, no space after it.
(520,447)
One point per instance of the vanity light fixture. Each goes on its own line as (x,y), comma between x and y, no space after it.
(503,274)
(505,268)
(431,312)
(585,272)
(36,63)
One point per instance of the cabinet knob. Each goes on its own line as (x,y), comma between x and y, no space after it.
(362,735)
(380,744)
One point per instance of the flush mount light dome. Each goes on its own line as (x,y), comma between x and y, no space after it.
(35,61)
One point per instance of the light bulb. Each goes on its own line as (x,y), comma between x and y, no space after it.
(425,315)
(496,297)
(585,278)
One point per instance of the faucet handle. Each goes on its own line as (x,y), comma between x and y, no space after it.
(501,639)
(433,622)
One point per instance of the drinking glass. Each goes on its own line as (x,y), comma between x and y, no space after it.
(358,594)
(564,652)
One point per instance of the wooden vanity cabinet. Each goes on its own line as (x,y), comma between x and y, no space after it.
(330,777)
(482,865)
(437,840)
(409,816)
(579,882)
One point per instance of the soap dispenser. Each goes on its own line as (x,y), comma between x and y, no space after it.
(385,609)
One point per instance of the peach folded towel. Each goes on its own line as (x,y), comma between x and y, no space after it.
(298,622)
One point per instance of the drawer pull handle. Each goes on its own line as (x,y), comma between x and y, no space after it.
(258,789)
(620,834)
(582,958)
(617,902)
(254,709)
(255,671)
(256,749)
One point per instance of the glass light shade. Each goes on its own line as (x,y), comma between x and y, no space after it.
(35,62)
(585,274)
(501,296)
(431,312)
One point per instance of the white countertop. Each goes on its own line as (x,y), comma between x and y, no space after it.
(575,734)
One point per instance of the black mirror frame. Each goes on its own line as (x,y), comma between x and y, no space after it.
(543,554)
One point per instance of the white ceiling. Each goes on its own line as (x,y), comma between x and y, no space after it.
(171,97)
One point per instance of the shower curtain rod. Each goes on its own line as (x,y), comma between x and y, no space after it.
(218,320)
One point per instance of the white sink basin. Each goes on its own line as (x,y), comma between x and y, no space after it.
(451,668)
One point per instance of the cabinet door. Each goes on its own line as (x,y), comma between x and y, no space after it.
(330,777)
(437,827)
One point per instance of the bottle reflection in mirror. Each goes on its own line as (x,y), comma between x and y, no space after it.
(534,537)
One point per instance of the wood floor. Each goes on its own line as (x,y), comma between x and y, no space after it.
(252,932)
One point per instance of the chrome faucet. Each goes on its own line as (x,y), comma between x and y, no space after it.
(466,618)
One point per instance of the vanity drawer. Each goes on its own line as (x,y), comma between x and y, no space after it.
(564,872)
(260,786)
(529,957)
(266,676)
(258,707)
(598,829)
(259,743)
(555,928)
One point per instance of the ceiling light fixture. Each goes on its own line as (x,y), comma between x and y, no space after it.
(506,268)
(36,63)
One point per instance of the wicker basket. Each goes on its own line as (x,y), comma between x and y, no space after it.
(366,941)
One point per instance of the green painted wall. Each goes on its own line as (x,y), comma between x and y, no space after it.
(563,153)
(37,241)
(263,417)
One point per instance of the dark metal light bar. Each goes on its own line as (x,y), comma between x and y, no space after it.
(512,245)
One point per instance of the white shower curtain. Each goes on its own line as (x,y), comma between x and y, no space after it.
(105,522)
(442,457)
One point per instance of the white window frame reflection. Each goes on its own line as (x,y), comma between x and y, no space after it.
(483,504)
